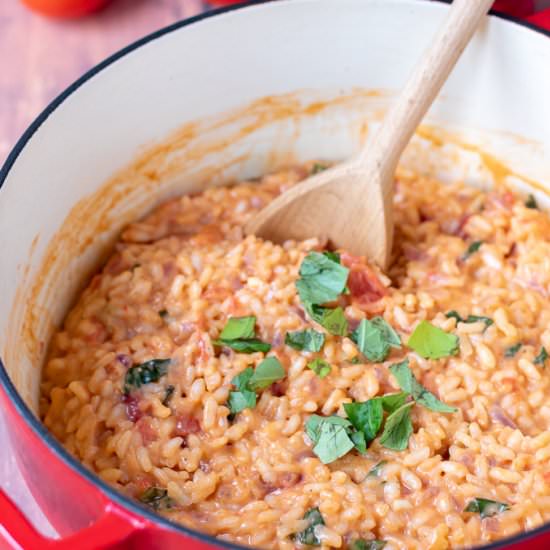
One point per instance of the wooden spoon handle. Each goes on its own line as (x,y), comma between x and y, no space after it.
(423,86)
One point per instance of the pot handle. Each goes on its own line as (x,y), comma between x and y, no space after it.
(111,528)
(540,19)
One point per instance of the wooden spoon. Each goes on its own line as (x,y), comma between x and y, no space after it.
(352,203)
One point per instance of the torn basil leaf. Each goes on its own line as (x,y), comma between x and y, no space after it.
(268,371)
(476,318)
(333,442)
(362,544)
(486,508)
(241,380)
(374,338)
(541,358)
(321,279)
(453,314)
(359,441)
(239,334)
(320,367)
(392,401)
(305,340)
(333,256)
(245,346)
(332,319)
(307,536)
(330,436)
(144,373)
(366,417)
(239,328)
(250,381)
(531,202)
(398,428)
(376,470)
(470,319)
(512,350)
(157,498)
(238,401)
(409,384)
(431,342)
(472,249)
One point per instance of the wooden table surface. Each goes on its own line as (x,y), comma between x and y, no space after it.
(39,57)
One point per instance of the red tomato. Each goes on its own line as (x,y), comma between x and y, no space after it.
(65,8)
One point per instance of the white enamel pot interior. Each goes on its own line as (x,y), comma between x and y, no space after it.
(259,87)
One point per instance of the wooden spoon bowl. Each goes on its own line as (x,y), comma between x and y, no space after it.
(352,204)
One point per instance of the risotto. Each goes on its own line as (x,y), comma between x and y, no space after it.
(292,396)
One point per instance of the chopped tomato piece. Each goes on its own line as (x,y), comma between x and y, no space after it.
(363,282)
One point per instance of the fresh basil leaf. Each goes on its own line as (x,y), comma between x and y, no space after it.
(144,373)
(366,417)
(362,544)
(241,380)
(470,319)
(307,536)
(475,318)
(408,383)
(318,167)
(250,380)
(393,401)
(239,334)
(531,202)
(472,249)
(320,367)
(333,443)
(331,319)
(512,350)
(374,338)
(541,358)
(239,328)
(376,470)
(333,256)
(157,498)
(486,508)
(453,314)
(240,400)
(305,340)
(268,371)
(431,342)
(330,435)
(314,422)
(398,429)
(245,346)
(168,392)
(359,441)
(321,279)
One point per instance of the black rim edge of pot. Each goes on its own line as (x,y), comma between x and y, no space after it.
(38,427)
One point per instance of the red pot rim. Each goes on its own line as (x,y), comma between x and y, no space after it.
(7,385)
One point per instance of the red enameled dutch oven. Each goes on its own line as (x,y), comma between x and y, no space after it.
(298,79)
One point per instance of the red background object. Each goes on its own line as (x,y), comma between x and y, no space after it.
(517,8)
(66,8)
